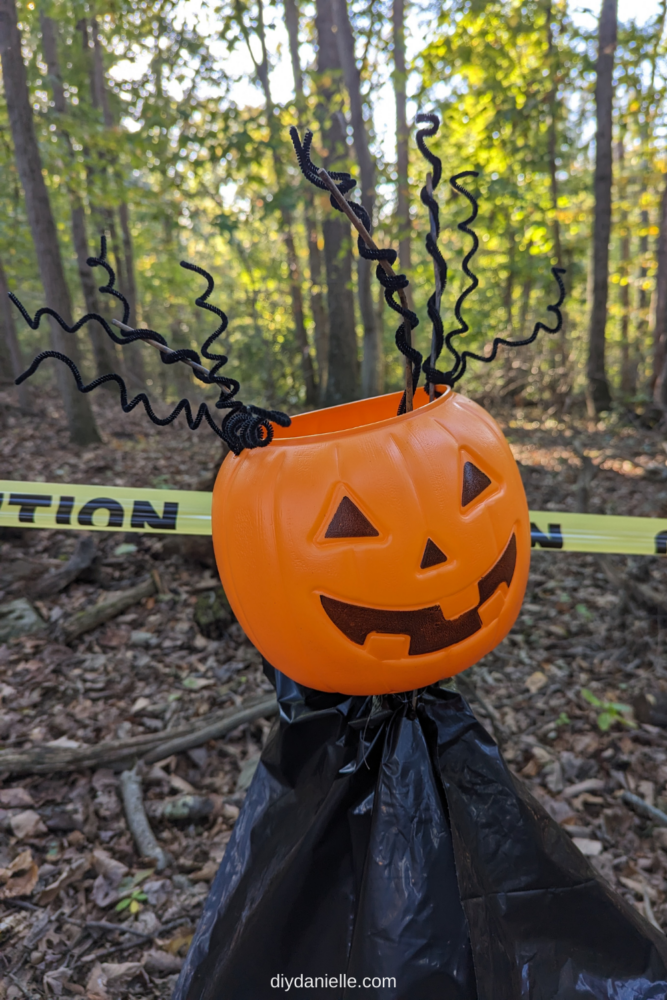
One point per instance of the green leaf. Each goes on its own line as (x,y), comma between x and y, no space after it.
(141,875)
(590,698)
(123,904)
(124,549)
(605,721)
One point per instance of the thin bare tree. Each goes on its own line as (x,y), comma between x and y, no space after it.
(343,379)
(105,360)
(599,396)
(262,74)
(320,319)
(371,373)
(12,348)
(80,420)
(402,136)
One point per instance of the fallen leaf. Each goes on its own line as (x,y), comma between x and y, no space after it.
(15,798)
(161,963)
(109,867)
(27,824)
(639,887)
(205,874)
(107,978)
(591,848)
(71,873)
(20,878)
(197,683)
(96,987)
(589,785)
(180,940)
(140,704)
(103,893)
(536,681)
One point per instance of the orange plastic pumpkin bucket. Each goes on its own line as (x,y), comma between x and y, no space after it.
(368,553)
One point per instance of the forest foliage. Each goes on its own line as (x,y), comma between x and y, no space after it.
(172,134)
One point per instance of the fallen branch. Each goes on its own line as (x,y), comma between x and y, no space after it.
(137,820)
(151,747)
(103,612)
(82,557)
(183,807)
(215,730)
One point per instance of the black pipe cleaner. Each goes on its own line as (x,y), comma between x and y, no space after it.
(244,426)
(391,283)
(434,375)
(433,306)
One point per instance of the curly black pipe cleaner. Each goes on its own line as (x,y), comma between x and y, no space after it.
(464,227)
(459,371)
(391,283)
(433,376)
(243,427)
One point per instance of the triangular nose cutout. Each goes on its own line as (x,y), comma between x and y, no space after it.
(432,555)
(474,482)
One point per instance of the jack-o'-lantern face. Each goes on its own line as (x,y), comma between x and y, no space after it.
(368,553)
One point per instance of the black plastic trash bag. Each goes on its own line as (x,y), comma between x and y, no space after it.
(384,850)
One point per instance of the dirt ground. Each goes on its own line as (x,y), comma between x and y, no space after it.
(81,913)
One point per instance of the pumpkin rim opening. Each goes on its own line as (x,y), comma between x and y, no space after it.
(355,416)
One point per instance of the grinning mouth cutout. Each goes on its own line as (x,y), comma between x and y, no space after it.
(428,629)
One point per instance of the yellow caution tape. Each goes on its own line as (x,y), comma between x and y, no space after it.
(104,508)
(638,536)
(62,506)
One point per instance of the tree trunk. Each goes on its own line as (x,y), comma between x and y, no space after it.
(80,418)
(262,74)
(599,396)
(11,341)
(402,137)
(343,374)
(660,321)
(314,255)
(371,383)
(103,351)
(553,169)
(124,258)
(123,253)
(627,373)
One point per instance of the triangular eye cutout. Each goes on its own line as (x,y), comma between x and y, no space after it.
(433,556)
(349,522)
(474,483)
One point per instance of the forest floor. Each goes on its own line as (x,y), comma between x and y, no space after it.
(80,912)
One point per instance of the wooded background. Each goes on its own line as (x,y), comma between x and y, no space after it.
(165,126)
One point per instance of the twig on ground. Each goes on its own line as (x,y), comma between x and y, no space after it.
(648,909)
(103,925)
(103,612)
(126,945)
(140,828)
(46,759)
(215,730)
(644,809)
(82,557)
